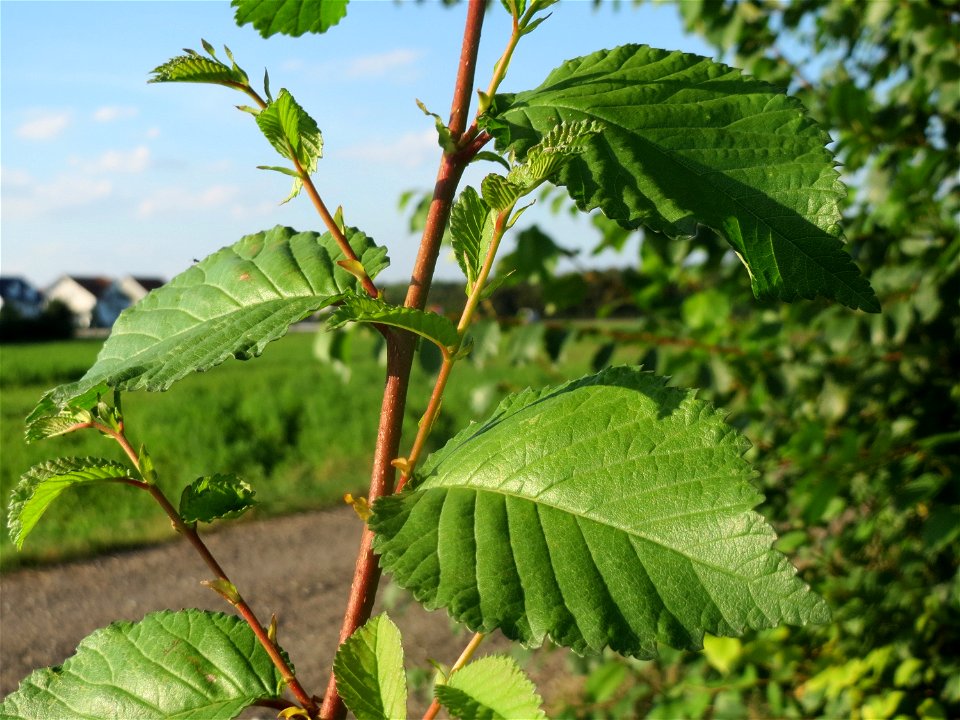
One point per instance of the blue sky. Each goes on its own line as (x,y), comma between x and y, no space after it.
(105,174)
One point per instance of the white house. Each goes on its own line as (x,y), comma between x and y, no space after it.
(80,294)
(120,295)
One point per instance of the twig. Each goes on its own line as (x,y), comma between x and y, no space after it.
(244,610)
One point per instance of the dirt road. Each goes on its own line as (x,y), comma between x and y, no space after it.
(298,567)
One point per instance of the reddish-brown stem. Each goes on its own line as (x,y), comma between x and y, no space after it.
(464,658)
(244,610)
(366,575)
(238,602)
(400,346)
(332,226)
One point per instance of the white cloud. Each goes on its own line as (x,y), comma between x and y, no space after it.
(114,161)
(153,132)
(109,113)
(380,64)
(25,197)
(410,150)
(133,161)
(13,179)
(401,66)
(44,126)
(182,200)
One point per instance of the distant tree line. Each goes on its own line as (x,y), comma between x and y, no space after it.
(54,323)
(603,293)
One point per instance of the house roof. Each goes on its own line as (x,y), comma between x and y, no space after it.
(9,282)
(149,283)
(16,288)
(96,285)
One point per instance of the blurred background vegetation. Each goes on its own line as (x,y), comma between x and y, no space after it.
(853,417)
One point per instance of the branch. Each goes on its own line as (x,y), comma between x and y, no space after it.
(400,346)
(234,598)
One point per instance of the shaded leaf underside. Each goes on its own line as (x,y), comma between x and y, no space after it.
(609,511)
(687,140)
(429,325)
(215,497)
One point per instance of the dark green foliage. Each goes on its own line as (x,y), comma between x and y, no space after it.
(54,323)
(685,141)
(854,418)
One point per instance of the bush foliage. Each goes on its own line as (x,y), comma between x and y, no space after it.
(854,417)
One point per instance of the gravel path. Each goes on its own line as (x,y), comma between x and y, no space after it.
(45,612)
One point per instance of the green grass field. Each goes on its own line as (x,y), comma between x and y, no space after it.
(284,422)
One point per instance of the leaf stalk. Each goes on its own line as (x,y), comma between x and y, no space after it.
(328,220)
(450,358)
(464,658)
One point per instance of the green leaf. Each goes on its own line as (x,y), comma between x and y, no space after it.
(491,688)
(297,181)
(50,418)
(558,146)
(214,497)
(486,155)
(722,653)
(290,17)
(498,192)
(471,232)
(194,67)
(293,133)
(188,665)
(612,510)
(369,672)
(363,308)
(687,140)
(230,304)
(285,170)
(43,483)
(444,138)
(59,424)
